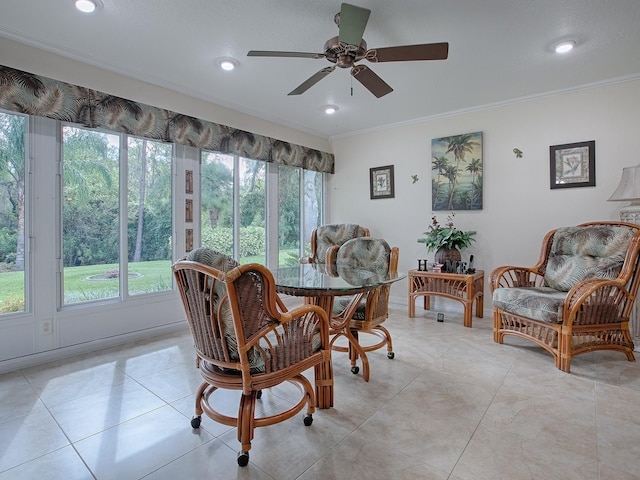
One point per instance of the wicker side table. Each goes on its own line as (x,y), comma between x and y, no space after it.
(463,287)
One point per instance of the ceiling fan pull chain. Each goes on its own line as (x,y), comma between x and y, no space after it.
(351,80)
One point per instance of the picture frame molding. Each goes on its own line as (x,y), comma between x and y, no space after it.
(385,175)
(568,152)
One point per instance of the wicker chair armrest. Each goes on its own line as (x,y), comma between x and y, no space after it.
(595,301)
(340,321)
(509,276)
(281,306)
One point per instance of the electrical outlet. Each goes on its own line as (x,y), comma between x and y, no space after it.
(46,326)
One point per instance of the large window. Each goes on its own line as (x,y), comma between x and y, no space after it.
(216,180)
(90,215)
(149,250)
(312,203)
(232,184)
(93,244)
(243,235)
(252,242)
(289,215)
(115,202)
(12,213)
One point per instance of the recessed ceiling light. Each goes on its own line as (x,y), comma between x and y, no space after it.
(564,47)
(227,64)
(330,109)
(86,6)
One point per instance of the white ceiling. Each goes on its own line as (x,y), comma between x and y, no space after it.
(499,50)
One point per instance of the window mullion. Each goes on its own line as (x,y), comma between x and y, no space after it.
(122,216)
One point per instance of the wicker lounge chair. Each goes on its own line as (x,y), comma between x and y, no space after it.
(578,297)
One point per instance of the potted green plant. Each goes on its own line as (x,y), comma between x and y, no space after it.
(446,240)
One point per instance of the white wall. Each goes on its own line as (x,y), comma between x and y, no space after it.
(519,207)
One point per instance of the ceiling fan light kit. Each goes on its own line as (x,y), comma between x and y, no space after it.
(349,47)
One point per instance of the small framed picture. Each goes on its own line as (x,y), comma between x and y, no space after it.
(188,181)
(573,165)
(188,241)
(381,179)
(188,210)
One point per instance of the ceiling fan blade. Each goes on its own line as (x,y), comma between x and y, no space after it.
(426,51)
(353,21)
(312,80)
(267,53)
(371,81)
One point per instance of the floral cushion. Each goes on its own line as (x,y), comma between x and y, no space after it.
(537,303)
(336,234)
(224,263)
(341,304)
(578,253)
(366,253)
(212,258)
(358,262)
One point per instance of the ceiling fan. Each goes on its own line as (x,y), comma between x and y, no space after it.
(348,48)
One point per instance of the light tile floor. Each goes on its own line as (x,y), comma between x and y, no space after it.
(451,405)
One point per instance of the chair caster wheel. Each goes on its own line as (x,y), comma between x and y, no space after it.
(195,422)
(308,420)
(355,370)
(243,459)
(259,394)
(391,355)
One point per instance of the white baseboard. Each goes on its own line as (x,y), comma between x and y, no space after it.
(65,352)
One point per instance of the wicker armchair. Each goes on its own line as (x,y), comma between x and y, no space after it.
(326,236)
(578,297)
(365,312)
(244,341)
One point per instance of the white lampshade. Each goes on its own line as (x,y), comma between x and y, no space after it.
(629,190)
(629,187)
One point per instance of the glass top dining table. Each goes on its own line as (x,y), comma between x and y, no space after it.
(320,279)
(320,283)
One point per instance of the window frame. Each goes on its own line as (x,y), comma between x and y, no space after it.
(272,213)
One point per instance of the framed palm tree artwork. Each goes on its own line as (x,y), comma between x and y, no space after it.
(456,172)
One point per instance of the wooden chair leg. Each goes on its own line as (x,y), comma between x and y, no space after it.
(198,398)
(388,339)
(355,351)
(246,412)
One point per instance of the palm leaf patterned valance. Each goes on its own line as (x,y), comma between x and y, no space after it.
(45,97)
